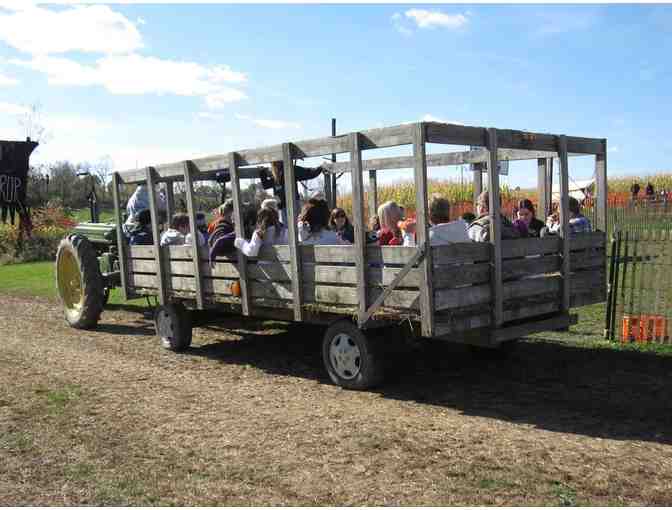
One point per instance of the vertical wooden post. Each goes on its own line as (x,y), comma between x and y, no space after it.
(170,200)
(544,181)
(495,230)
(477,173)
(373,194)
(121,239)
(357,180)
(195,248)
(294,250)
(549,185)
(564,220)
(602,190)
(158,257)
(327,190)
(334,191)
(422,230)
(240,232)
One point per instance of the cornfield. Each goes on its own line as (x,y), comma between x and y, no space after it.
(660,181)
(459,194)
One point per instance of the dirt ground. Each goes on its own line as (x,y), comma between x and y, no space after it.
(247,416)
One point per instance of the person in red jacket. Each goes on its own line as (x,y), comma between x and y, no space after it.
(389,215)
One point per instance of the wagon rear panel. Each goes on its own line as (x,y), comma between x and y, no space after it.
(531,280)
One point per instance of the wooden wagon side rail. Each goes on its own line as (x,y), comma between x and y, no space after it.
(327,277)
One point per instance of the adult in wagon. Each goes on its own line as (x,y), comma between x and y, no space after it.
(389,215)
(138,202)
(339,223)
(269,232)
(275,179)
(313,224)
(578,223)
(442,231)
(479,229)
(526,216)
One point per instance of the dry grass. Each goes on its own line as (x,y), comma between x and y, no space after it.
(246,417)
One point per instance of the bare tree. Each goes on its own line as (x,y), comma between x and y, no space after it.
(102,170)
(31,122)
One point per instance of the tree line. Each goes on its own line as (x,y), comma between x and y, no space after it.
(70,185)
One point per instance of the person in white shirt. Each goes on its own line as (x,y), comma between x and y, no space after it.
(178,234)
(443,231)
(269,231)
(313,224)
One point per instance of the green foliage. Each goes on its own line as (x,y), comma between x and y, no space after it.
(49,225)
(565,494)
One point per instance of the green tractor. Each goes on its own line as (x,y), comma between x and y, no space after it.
(87,268)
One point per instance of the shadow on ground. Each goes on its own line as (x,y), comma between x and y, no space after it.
(549,384)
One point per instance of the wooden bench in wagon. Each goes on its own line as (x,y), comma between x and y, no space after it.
(484,294)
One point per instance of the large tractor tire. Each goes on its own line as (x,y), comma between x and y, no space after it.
(79,282)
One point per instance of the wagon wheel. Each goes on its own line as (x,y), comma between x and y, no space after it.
(79,282)
(352,359)
(173,326)
(501,352)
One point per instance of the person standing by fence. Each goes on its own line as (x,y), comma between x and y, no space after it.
(634,189)
(650,192)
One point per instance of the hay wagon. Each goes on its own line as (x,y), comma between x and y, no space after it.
(484,294)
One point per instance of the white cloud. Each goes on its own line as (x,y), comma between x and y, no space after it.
(268,123)
(223,97)
(209,116)
(92,28)
(7,81)
(140,21)
(398,23)
(137,74)
(430,118)
(276,124)
(432,19)
(13,109)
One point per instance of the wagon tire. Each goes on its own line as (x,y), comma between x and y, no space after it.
(106,296)
(352,358)
(78,282)
(173,326)
(501,352)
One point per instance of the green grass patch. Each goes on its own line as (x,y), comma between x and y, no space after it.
(84,215)
(566,495)
(57,400)
(30,279)
(79,471)
(38,279)
(16,441)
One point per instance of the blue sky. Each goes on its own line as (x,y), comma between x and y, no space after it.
(144,84)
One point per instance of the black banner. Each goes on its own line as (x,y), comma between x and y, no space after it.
(14,158)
